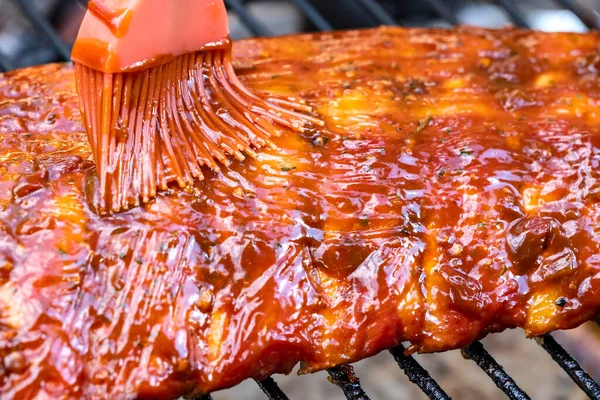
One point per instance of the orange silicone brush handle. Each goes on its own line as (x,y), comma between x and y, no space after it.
(123,35)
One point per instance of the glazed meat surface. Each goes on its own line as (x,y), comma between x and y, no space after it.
(454,192)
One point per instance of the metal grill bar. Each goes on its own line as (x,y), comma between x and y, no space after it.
(344,377)
(514,13)
(571,367)
(377,11)
(486,362)
(443,10)
(418,375)
(254,25)
(31,13)
(271,389)
(568,4)
(314,16)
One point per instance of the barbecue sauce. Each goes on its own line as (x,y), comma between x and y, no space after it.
(453,192)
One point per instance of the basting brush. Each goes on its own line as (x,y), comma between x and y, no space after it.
(160,98)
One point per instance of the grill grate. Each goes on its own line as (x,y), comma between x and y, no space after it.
(255,26)
(571,367)
(486,362)
(273,392)
(378,12)
(343,376)
(63,49)
(514,13)
(443,10)
(313,14)
(589,22)
(418,375)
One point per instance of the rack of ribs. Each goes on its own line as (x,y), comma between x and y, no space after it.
(453,192)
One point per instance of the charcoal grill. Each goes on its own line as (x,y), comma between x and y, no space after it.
(374,13)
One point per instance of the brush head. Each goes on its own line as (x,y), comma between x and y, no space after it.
(127,35)
(161,101)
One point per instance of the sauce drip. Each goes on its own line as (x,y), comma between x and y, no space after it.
(116,19)
(123,35)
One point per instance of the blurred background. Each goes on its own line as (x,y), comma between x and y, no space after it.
(40,31)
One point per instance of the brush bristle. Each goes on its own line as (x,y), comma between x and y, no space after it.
(151,127)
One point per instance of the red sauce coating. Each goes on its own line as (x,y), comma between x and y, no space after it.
(123,35)
(117,20)
(453,192)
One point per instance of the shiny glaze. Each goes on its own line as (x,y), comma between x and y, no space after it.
(115,16)
(150,128)
(124,35)
(453,192)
